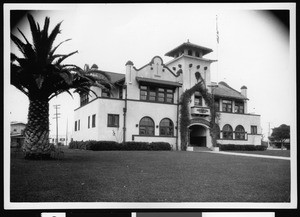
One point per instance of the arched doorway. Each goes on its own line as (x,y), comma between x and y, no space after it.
(198,135)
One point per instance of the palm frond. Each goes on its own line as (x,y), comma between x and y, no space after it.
(13,57)
(59,92)
(23,36)
(67,76)
(45,29)
(18,42)
(35,30)
(41,72)
(53,34)
(65,56)
(54,49)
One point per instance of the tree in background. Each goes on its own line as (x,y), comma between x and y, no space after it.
(40,75)
(280,134)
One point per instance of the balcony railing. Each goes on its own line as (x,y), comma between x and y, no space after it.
(200,111)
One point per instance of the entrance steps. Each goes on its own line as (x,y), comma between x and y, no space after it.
(198,149)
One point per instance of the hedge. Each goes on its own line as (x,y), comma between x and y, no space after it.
(112,146)
(231,147)
(156,146)
(278,145)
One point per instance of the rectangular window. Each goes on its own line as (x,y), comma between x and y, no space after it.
(105,93)
(120,92)
(78,125)
(152,94)
(156,94)
(84,99)
(112,120)
(143,93)
(161,95)
(75,126)
(89,121)
(239,107)
(253,130)
(226,105)
(94,121)
(170,96)
(198,99)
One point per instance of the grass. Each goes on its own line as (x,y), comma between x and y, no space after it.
(150,176)
(280,153)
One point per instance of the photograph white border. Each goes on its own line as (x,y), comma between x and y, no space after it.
(132,205)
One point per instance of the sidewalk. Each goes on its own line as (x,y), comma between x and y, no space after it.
(247,155)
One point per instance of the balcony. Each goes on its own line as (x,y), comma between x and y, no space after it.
(203,111)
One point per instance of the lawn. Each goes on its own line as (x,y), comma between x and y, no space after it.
(280,153)
(150,176)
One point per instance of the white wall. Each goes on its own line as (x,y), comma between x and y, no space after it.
(110,106)
(157,111)
(82,114)
(246,120)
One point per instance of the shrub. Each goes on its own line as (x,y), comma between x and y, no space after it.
(112,146)
(103,145)
(142,146)
(232,147)
(157,146)
(278,145)
(77,145)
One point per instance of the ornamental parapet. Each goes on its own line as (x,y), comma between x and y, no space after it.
(195,110)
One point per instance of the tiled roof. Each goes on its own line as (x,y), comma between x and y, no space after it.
(224,90)
(16,122)
(205,50)
(114,76)
(156,81)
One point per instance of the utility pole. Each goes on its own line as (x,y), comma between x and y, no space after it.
(218,40)
(269,135)
(67,134)
(56,116)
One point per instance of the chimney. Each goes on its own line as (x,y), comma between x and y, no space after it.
(244,91)
(128,78)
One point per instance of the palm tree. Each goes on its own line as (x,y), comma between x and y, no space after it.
(40,75)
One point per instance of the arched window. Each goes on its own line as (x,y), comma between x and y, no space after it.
(240,132)
(190,52)
(227,132)
(166,127)
(146,126)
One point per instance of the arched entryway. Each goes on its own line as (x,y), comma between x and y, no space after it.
(198,135)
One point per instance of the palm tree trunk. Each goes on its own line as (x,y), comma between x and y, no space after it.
(36,144)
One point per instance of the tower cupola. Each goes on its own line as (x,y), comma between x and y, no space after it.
(189,49)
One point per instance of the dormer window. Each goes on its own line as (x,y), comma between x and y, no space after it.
(105,93)
(197,54)
(84,99)
(239,107)
(190,52)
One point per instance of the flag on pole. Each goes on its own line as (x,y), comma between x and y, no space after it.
(217,29)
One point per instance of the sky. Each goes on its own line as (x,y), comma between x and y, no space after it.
(255,49)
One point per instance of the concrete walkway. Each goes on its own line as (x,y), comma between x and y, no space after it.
(247,155)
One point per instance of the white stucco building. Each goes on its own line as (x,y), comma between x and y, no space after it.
(144,105)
